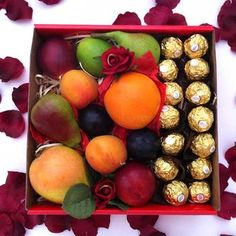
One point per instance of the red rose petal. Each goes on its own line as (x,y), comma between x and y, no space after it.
(232,44)
(101,221)
(12,123)
(224,177)
(0,98)
(149,230)
(50,2)
(84,227)
(57,224)
(232,170)
(38,138)
(177,19)
(102,88)
(18,229)
(6,226)
(230,154)
(18,10)
(10,68)
(3,4)
(168,3)
(228,205)
(84,140)
(20,97)
(128,18)
(141,221)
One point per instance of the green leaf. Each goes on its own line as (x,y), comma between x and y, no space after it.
(79,201)
(119,204)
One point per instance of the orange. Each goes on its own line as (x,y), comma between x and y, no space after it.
(132,100)
(106,153)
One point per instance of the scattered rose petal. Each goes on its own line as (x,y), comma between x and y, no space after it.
(57,224)
(19,229)
(168,3)
(217,32)
(6,226)
(228,205)
(102,88)
(226,235)
(224,177)
(101,220)
(177,19)
(120,132)
(18,10)
(83,227)
(50,2)
(232,170)
(3,4)
(140,221)
(149,230)
(10,68)
(20,97)
(32,220)
(84,140)
(128,18)
(38,138)
(0,98)
(230,154)
(12,123)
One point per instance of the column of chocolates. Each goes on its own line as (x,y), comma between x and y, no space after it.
(185,70)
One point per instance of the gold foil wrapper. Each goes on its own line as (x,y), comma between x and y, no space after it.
(176,193)
(168,70)
(197,69)
(173,144)
(169,117)
(195,46)
(200,119)
(200,168)
(172,47)
(174,93)
(199,192)
(203,145)
(198,93)
(165,168)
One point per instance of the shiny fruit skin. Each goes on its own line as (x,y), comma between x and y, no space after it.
(143,145)
(94,120)
(132,100)
(106,153)
(135,184)
(78,88)
(55,171)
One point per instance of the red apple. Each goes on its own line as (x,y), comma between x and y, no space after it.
(135,183)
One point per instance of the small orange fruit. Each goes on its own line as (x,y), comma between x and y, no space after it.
(106,153)
(132,100)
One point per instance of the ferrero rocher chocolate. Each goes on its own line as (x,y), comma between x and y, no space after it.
(199,192)
(174,93)
(172,144)
(165,168)
(200,119)
(172,47)
(198,93)
(169,117)
(176,193)
(168,70)
(195,46)
(203,145)
(200,168)
(197,69)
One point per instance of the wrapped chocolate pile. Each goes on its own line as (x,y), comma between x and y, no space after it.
(187,122)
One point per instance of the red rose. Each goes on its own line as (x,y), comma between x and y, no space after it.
(117,60)
(104,191)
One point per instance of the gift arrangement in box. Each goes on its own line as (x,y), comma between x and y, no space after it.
(122,117)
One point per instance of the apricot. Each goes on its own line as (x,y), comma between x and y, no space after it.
(55,171)
(106,153)
(78,88)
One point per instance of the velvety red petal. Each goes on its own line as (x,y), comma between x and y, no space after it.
(6,225)
(102,88)
(18,10)
(226,235)
(18,229)
(38,138)
(12,123)
(141,221)
(50,2)
(230,154)
(228,205)
(168,3)
(101,221)
(158,15)
(232,170)
(149,230)
(20,97)
(57,224)
(224,177)
(128,18)
(84,227)
(177,19)
(217,32)
(0,98)
(3,4)
(120,132)
(84,140)
(232,44)
(10,68)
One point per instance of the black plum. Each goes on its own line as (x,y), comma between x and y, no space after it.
(94,120)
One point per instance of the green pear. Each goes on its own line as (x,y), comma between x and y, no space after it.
(53,117)
(139,43)
(88,53)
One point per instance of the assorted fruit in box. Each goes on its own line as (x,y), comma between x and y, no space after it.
(123,119)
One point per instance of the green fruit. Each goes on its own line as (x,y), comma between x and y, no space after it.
(139,43)
(88,53)
(53,117)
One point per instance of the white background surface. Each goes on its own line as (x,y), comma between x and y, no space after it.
(15,41)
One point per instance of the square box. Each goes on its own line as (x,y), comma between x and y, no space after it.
(43,31)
